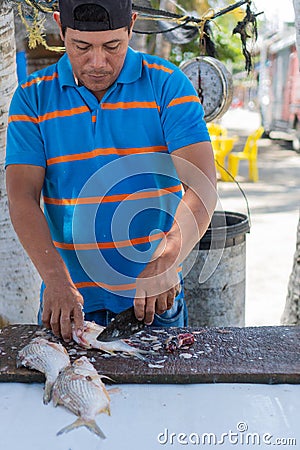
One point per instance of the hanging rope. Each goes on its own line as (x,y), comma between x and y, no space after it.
(206,43)
(36,30)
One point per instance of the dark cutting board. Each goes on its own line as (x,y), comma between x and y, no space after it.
(222,355)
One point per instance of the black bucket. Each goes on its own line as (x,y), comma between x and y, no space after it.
(215,273)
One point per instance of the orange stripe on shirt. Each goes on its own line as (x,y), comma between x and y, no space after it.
(157,67)
(50,115)
(129,105)
(22,118)
(112,287)
(104,152)
(111,198)
(185,99)
(106,245)
(39,79)
(64,113)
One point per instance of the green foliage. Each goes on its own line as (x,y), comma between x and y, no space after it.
(228,46)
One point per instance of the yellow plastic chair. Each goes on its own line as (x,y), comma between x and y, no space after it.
(216,129)
(222,146)
(249,153)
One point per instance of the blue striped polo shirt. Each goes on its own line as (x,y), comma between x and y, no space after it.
(111,190)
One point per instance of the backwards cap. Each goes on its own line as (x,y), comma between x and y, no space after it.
(118,14)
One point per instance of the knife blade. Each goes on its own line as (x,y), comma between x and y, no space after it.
(124,325)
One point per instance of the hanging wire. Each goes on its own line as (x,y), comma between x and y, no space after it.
(156,14)
(160,31)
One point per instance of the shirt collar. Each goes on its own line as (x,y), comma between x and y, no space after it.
(65,73)
(132,68)
(131,71)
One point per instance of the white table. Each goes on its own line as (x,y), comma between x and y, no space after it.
(140,414)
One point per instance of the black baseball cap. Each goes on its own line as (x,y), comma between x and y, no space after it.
(117,14)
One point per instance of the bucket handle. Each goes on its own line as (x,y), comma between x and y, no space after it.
(240,188)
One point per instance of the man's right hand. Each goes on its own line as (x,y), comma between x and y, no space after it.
(62,305)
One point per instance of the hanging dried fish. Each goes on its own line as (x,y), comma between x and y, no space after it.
(247,25)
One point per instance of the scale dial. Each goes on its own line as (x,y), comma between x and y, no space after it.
(213,84)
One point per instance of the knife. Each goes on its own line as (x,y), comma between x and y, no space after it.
(124,325)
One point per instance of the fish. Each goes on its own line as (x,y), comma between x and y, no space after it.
(88,339)
(46,357)
(80,389)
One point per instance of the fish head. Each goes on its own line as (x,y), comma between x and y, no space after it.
(90,331)
(82,366)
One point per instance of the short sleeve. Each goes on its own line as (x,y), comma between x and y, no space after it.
(24,140)
(182,113)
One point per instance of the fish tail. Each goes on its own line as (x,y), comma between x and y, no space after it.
(47,392)
(90,424)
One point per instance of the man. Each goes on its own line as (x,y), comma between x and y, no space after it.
(108,135)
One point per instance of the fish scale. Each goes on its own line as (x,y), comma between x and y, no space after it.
(83,395)
(80,389)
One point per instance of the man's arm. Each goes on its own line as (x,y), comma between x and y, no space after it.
(156,285)
(62,301)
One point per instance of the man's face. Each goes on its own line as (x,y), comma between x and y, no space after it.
(97,57)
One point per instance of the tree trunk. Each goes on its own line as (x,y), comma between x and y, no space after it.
(19,281)
(291,314)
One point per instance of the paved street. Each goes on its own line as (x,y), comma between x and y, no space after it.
(274,208)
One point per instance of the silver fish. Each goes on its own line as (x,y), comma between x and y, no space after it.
(46,357)
(80,389)
(88,339)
